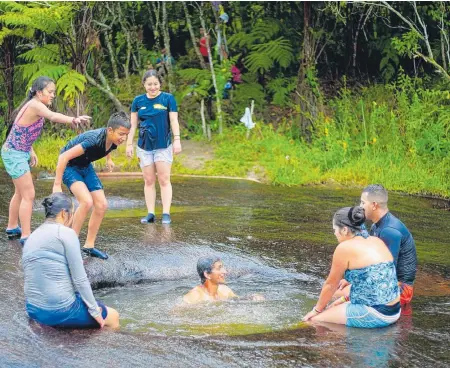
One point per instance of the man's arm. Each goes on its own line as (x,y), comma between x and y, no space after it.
(63,159)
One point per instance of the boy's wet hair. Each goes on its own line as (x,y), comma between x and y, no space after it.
(119,119)
(351,217)
(206,264)
(55,203)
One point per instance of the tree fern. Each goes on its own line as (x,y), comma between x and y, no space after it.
(264,50)
(32,71)
(279,50)
(44,54)
(266,29)
(281,89)
(257,62)
(71,84)
(194,75)
(50,19)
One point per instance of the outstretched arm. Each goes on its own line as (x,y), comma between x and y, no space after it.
(44,111)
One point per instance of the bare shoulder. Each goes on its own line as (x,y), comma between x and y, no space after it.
(225,291)
(192,296)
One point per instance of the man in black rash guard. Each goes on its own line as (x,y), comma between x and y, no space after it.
(395,234)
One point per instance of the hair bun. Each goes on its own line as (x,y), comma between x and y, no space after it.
(47,202)
(357,216)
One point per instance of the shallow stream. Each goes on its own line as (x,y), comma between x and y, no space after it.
(274,241)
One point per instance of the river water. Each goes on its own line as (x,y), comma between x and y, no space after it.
(274,241)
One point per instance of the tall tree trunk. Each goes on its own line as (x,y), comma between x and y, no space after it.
(155,22)
(166,37)
(8,47)
(213,74)
(202,114)
(127,32)
(193,38)
(112,56)
(305,95)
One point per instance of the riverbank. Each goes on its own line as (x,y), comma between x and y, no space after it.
(270,157)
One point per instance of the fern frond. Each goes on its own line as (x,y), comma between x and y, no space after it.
(71,85)
(250,91)
(258,62)
(32,71)
(48,54)
(279,50)
(56,17)
(265,29)
(241,40)
(281,89)
(192,74)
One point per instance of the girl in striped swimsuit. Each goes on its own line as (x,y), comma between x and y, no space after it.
(18,155)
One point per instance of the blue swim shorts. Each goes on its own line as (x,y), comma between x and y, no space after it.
(86,174)
(362,316)
(17,163)
(75,315)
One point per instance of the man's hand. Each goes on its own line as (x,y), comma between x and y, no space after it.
(177,147)
(33,159)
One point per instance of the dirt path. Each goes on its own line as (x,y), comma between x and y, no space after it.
(195,154)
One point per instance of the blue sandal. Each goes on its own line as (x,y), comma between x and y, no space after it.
(14,233)
(150,218)
(94,252)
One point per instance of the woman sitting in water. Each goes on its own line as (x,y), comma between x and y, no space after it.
(368,265)
(57,290)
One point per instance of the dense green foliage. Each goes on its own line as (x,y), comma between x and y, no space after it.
(371,79)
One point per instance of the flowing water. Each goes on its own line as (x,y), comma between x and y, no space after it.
(273,241)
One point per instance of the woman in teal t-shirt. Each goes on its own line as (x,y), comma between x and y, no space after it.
(156,114)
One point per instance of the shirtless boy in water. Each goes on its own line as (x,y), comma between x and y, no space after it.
(212,275)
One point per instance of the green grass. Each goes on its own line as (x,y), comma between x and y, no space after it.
(396,137)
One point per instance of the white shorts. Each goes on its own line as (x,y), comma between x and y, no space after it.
(147,158)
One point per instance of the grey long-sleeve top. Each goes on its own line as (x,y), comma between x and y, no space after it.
(54,270)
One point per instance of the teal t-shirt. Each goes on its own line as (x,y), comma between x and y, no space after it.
(154,123)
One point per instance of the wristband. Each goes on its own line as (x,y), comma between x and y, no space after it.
(316,310)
